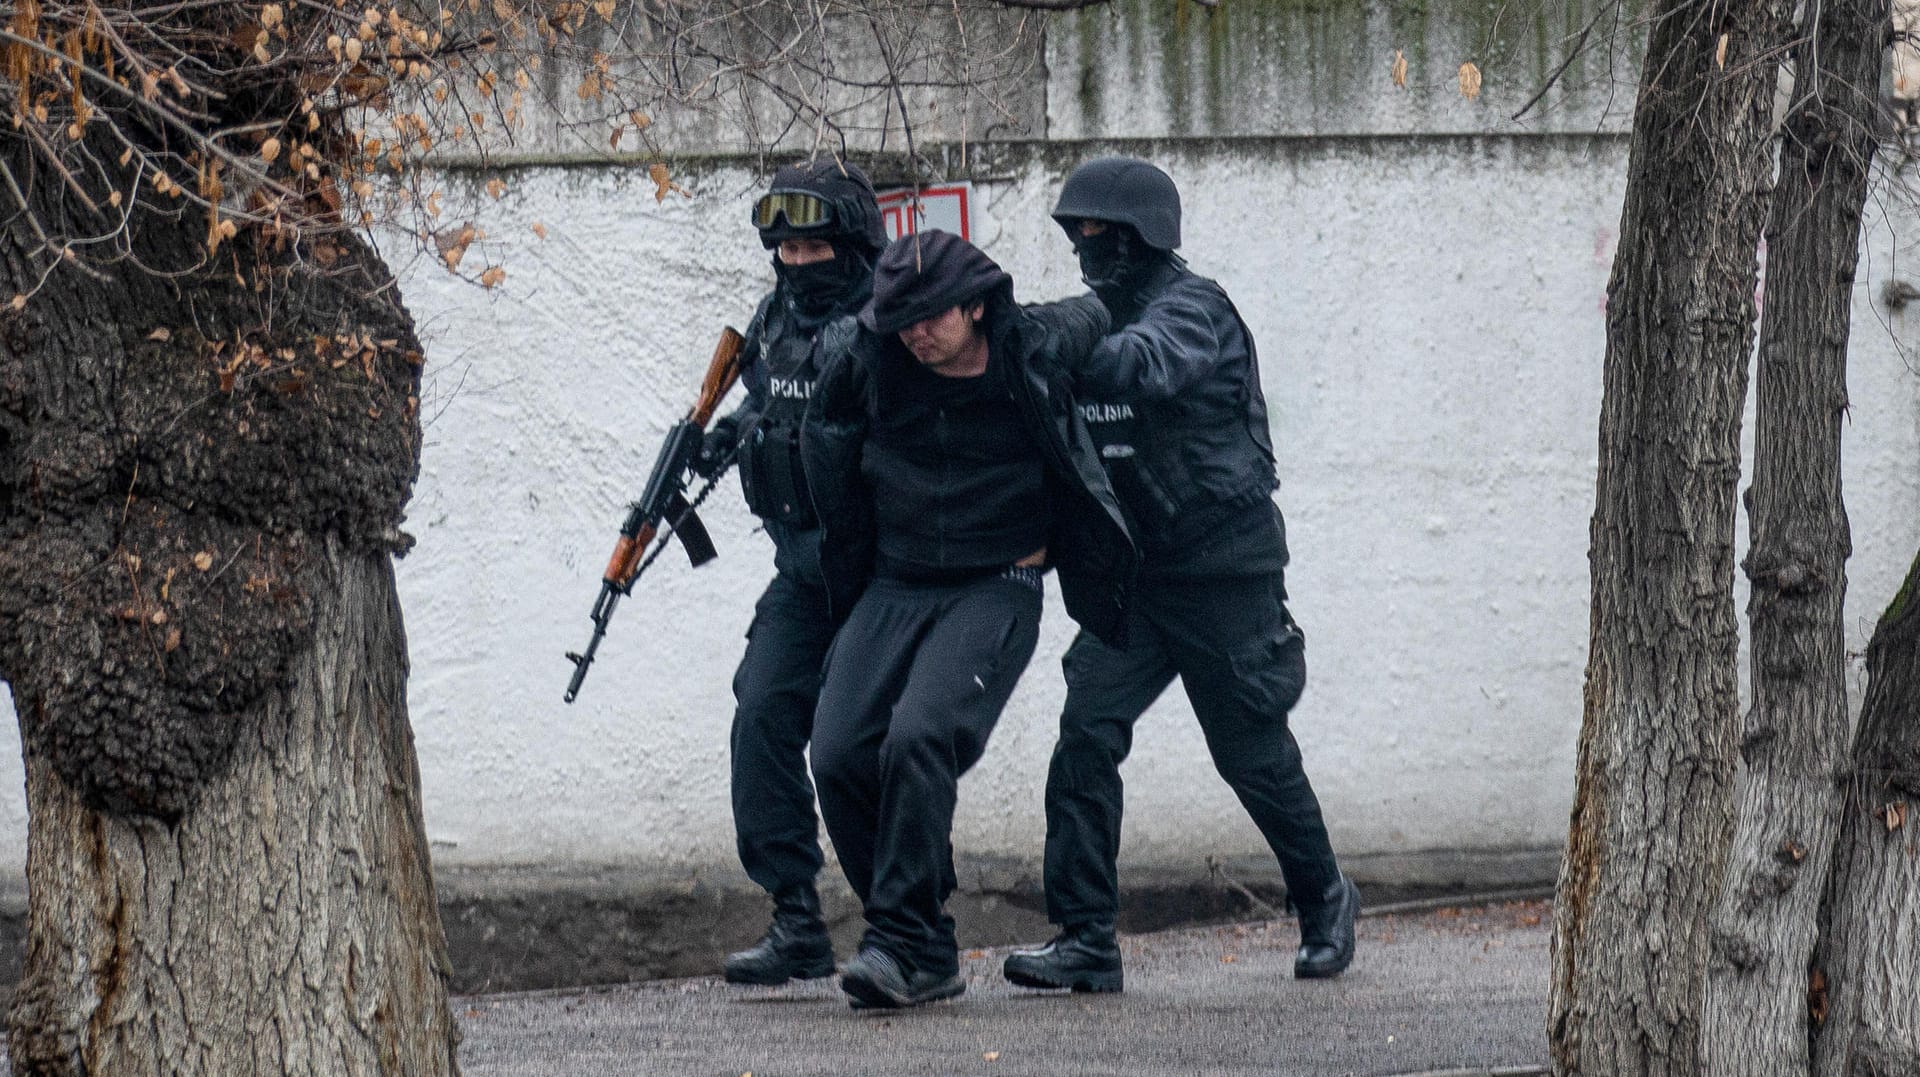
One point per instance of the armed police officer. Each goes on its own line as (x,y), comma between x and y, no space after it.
(1173,398)
(821,221)
(948,472)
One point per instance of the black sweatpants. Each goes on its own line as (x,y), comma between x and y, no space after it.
(915,682)
(1233,645)
(775,691)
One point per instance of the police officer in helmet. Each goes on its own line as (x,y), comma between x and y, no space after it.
(820,220)
(1172,397)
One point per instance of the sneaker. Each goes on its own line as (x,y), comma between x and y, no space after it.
(875,980)
(1085,957)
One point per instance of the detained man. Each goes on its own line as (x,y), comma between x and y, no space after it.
(950,472)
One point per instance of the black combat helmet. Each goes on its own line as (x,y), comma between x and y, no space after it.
(821,199)
(1122,190)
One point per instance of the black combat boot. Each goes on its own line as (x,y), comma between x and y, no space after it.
(876,980)
(1084,957)
(795,947)
(1326,933)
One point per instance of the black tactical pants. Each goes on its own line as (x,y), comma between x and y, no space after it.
(916,680)
(775,690)
(1243,664)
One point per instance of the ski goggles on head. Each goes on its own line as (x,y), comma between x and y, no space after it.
(803,211)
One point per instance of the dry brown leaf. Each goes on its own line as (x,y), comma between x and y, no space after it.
(493,276)
(19,302)
(173,639)
(640,120)
(1894,815)
(269,150)
(161,334)
(1720,52)
(539,229)
(496,187)
(1469,80)
(663,182)
(990,1056)
(1400,68)
(203,560)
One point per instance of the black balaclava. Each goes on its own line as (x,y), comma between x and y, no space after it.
(819,290)
(1114,263)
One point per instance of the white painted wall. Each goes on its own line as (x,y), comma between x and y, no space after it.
(1430,321)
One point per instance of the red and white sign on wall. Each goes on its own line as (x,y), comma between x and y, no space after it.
(948,207)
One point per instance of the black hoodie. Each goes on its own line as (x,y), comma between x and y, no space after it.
(1087,538)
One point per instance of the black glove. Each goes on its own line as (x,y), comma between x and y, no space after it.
(717,449)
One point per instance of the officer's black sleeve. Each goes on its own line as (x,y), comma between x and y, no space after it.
(1071,328)
(832,438)
(835,429)
(1174,345)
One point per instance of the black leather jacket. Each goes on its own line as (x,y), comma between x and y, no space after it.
(1173,399)
(1089,545)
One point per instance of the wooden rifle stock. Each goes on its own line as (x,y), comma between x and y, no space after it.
(723,370)
(665,493)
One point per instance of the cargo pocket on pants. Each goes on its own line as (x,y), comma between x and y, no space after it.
(1270,672)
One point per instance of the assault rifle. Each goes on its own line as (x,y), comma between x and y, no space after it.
(664,501)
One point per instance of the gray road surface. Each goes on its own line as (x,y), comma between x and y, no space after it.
(1453,991)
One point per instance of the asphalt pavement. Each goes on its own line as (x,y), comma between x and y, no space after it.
(1455,991)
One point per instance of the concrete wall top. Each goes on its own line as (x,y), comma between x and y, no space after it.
(1132,69)
(1168,68)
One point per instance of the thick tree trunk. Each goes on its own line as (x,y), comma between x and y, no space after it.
(1870,944)
(203,464)
(1765,923)
(1651,816)
(286,924)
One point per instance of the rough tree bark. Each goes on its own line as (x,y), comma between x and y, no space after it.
(202,471)
(1764,925)
(1652,809)
(1870,942)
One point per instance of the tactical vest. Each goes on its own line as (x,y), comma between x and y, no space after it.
(771,474)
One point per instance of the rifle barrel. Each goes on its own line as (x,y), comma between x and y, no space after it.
(602,616)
